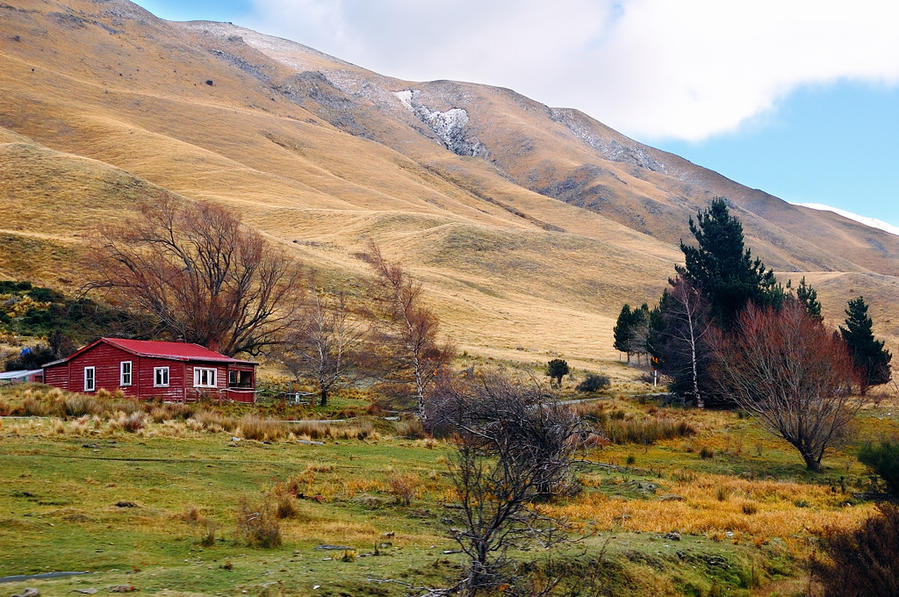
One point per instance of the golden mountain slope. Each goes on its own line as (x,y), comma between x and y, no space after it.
(530,225)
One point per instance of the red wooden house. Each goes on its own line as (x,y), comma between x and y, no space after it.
(176,371)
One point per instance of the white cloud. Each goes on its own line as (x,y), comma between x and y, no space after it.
(652,68)
(872,222)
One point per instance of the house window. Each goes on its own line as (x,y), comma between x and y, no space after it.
(232,378)
(160,377)
(125,373)
(90,379)
(204,377)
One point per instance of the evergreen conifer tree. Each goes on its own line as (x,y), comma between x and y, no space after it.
(621,332)
(808,296)
(723,270)
(872,360)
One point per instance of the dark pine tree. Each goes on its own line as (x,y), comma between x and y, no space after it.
(808,296)
(872,360)
(556,369)
(723,270)
(621,332)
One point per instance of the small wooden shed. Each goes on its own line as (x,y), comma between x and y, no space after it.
(21,376)
(174,371)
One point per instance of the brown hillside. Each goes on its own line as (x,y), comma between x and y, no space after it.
(530,225)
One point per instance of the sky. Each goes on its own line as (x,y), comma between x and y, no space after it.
(799,98)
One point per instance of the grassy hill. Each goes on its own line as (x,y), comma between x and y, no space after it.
(529,225)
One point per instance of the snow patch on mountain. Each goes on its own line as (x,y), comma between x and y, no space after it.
(449,126)
(872,222)
(610,149)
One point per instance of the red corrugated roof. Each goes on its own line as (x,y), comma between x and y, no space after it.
(170,350)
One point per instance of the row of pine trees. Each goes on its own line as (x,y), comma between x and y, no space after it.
(704,300)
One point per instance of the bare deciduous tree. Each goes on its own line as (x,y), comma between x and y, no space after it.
(405,326)
(681,339)
(514,445)
(196,269)
(791,372)
(323,345)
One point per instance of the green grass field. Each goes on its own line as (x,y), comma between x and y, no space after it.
(745,508)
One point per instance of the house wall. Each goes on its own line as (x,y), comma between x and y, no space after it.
(57,375)
(221,390)
(107,359)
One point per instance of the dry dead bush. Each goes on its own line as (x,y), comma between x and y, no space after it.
(257,524)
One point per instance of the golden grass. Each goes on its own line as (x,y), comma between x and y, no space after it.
(752,512)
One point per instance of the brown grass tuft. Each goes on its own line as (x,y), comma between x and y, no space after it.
(257,524)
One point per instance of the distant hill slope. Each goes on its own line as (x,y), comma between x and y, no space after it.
(530,225)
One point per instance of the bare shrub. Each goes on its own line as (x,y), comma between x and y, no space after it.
(513,447)
(257,524)
(207,537)
(325,343)
(594,383)
(863,562)
(402,487)
(406,327)
(207,527)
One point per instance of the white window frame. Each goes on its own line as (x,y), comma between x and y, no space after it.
(156,374)
(92,378)
(211,375)
(123,373)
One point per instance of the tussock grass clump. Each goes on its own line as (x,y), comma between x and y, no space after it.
(403,488)
(214,421)
(259,428)
(257,524)
(130,422)
(169,411)
(207,527)
(645,431)
(409,428)
(284,501)
(317,430)
(35,406)
(77,405)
